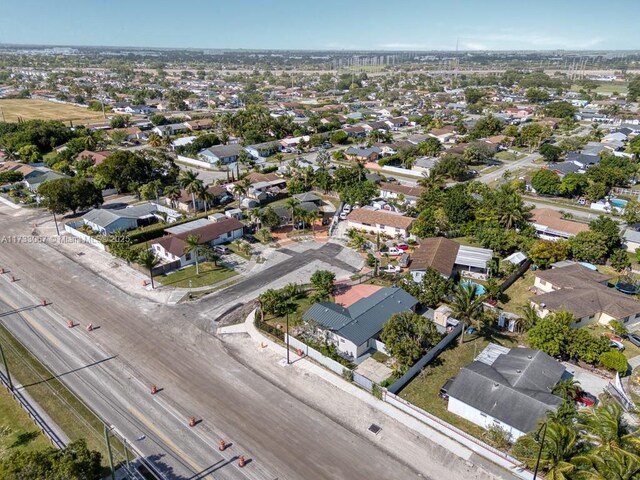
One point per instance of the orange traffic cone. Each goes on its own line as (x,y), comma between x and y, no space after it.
(192,421)
(154,389)
(299,352)
(44,302)
(90,327)
(13,279)
(241,461)
(222,446)
(70,323)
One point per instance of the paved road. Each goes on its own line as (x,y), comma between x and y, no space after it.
(510,166)
(139,343)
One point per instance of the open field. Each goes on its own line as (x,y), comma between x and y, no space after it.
(30,109)
(605,87)
(19,432)
(209,275)
(64,408)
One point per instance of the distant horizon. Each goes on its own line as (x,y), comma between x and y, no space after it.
(334,50)
(329,25)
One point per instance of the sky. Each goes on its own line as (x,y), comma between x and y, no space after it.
(326,24)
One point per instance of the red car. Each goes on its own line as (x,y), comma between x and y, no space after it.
(585,398)
(403,246)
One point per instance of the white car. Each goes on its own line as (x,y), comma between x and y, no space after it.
(343,216)
(346,208)
(395,251)
(391,269)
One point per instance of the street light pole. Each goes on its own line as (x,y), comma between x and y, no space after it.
(288,362)
(542,429)
(56,222)
(6,367)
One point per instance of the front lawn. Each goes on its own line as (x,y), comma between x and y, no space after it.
(510,156)
(295,316)
(423,390)
(209,275)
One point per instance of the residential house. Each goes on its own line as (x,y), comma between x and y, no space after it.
(130,133)
(355,132)
(446,134)
(354,330)
(449,258)
(550,225)
(397,122)
(200,124)
(564,168)
(97,157)
(507,388)
(377,221)
(173,248)
(184,202)
(631,238)
(106,221)
(138,109)
(370,154)
(171,129)
(221,154)
(425,165)
(27,171)
(397,190)
(262,150)
(585,294)
(32,182)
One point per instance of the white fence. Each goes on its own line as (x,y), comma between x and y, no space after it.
(195,163)
(401,171)
(70,228)
(378,346)
(316,355)
(478,446)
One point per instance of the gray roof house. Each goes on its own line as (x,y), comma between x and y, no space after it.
(33,183)
(106,221)
(352,329)
(508,388)
(221,154)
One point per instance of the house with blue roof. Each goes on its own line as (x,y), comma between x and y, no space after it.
(354,330)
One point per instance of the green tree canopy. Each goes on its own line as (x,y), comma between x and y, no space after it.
(64,194)
(545,182)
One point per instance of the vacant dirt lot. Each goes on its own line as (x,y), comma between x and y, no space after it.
(30,109)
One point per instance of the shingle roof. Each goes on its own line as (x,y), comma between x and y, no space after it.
(413,192)
(104,217)
(378,217)
(573,276)
(365,318)
(437,252)
(223,151)
(547,217)
(176,244)
(515,390)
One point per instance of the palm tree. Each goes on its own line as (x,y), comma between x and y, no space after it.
(529,317)
(88,142)
(196,249)
(606,427)
(212,256)
(207,198)
(149,261)
(192,184)
(619,465)
(431,180)
(173,193)
(567,389)
(466,305)
(311,218)
(292,203)
(560,447)
(241,189)
(255,214)
(155,140)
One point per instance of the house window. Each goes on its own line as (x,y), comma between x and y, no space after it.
(381,226)
(398,230)
(543,283)
(187,257)
(483,415)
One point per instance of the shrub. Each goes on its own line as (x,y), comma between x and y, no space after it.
(614,360)
(618,328)
(497,437)
(376,391)
(347,375)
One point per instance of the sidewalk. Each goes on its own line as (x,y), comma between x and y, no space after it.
(459,446)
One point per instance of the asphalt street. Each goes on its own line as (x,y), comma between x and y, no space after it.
(139,343)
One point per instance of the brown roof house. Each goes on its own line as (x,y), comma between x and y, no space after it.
(97,157)
(172,248)
(397,190)
(448,258)
(378,221)
(185,201)
(584,293)
(550,225)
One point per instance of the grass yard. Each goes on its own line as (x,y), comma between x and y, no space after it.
(209,275)
(67,411)
(234,248)
(510,156)
(423,390)
(295,317)
(30,109)
(19,432)
(605,87)
(518,294)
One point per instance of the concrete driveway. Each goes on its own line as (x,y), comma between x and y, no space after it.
(589,381)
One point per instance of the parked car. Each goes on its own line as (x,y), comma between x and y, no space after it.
(391,179)
(617,345)
(403,246)
(394,251)
(226,199)
(404,260)
(221,249)
(391,269)
(585,398)
(343,216)
(444,391)
(635,339)
(346,208)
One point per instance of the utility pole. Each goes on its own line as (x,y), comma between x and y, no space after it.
(6,367)
(288,362)
(109,453)
(56,222)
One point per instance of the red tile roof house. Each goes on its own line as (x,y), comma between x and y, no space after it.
(172,248)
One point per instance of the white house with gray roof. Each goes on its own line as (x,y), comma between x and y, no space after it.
(507,388)
(105,221)
(221,154)
(353,330)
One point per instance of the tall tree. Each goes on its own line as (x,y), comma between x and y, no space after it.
(466,305)
(195,248)
(149,261)
(192,184)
